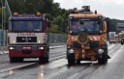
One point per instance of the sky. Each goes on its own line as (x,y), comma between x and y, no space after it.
(109,8)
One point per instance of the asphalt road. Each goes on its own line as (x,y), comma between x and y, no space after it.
(58,67)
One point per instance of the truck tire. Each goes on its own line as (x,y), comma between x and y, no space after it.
(71,59)
(43,60)
(105,57)
(103,60)
(19,59)
(78,61)
(12,59)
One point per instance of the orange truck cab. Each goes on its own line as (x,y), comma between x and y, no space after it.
(87,37)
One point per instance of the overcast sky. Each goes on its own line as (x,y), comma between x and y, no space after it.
(109,8)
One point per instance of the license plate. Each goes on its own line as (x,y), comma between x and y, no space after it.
(26,48)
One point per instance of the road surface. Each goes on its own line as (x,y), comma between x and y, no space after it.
(58,67)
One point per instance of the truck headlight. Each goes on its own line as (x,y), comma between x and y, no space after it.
(39,41)
(100,51)
(41,48)
(11,48)
(70,51)
(13,42)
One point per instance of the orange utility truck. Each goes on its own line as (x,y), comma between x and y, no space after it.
(87,37)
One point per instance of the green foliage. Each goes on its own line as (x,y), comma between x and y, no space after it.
(56,14)
(4,18)
(32,6)
(0,18)
(0,15)
(54,29)
(53,10)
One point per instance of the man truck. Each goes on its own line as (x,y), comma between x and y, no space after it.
(28,37)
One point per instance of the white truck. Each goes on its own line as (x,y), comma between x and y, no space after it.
(112,37)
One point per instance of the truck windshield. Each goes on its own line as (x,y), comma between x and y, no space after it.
(87,26)
(26,26)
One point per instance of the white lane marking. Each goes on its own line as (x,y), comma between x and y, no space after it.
(1,53)
(57,64)
(56,54)
(111,46)
(51,59)
(11,68)
(71,77)
(114,56)
(56,73)
(56,46)
(6,71)
(6,74)
(112,51)
(6,52)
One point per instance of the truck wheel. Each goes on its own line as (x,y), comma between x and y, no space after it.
(71,59)
(103,60)
(78,61)
(19,59)
(43,60)
(12,59)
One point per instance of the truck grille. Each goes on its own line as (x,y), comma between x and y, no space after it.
(26,39)
(94,44)
(76,45)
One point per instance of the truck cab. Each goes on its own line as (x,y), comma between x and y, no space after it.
(28,37)
(87,37)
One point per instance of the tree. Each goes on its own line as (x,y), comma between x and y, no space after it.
(4,15)
(54,29)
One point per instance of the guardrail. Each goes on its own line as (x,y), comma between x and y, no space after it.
(54,39)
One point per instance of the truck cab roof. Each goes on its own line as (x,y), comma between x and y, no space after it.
(80,15)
